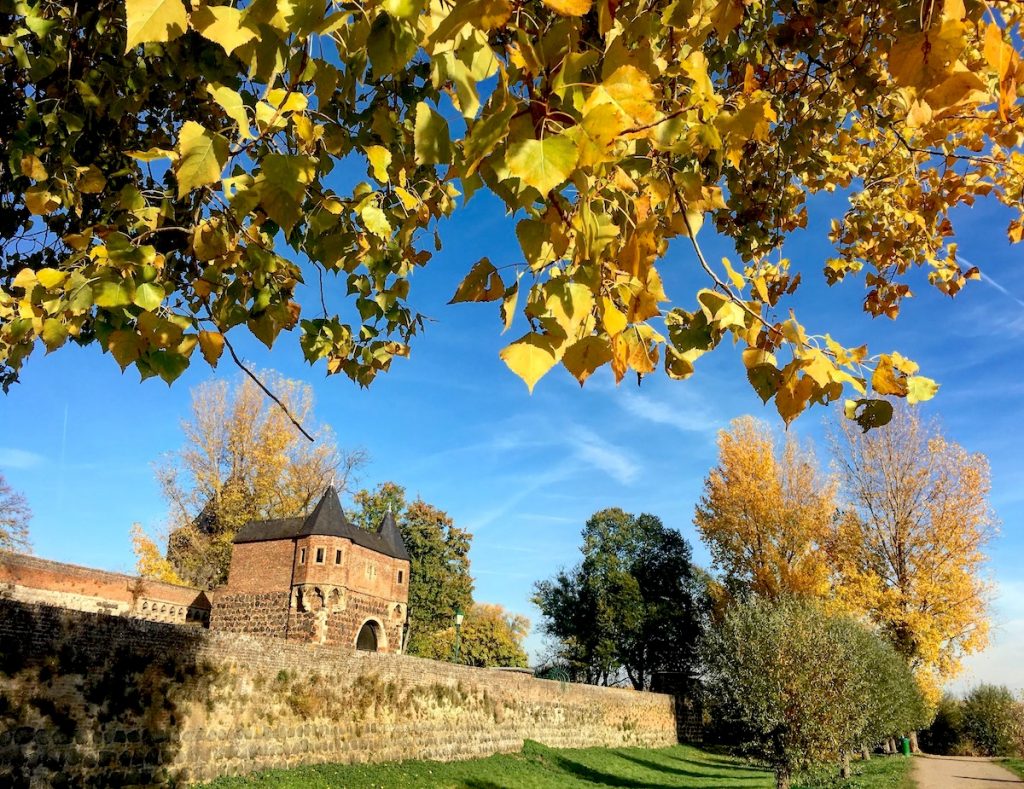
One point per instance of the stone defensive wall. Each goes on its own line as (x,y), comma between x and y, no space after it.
(89,699)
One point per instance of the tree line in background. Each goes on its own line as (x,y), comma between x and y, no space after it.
(242,459)
(841,601)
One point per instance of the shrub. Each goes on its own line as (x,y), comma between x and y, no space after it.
(991,720)
(793,680)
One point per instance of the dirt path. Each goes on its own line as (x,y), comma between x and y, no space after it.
(962,772)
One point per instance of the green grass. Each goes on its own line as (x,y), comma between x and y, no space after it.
(539,767)
(1015,766)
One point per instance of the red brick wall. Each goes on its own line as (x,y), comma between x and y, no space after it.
(361,570)
(84,588)
(261,566)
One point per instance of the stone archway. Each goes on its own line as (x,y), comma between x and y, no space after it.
(371,637)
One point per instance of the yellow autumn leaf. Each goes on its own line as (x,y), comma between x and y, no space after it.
(483,283)
(583,357)
(530,357)
(154,20)
(613,319)
(202,156)
(222,25)
(380,159)
(569,7)
(920,389)
(33,167)
(211,343)
(543,164)
(231,102)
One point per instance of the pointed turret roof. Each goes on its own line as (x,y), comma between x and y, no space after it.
(327,519)
(389,533)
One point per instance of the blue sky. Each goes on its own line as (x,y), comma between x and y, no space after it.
(523,472)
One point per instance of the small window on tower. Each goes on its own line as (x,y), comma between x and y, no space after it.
(399,576)
(337,556)
(320,555)
(302,556)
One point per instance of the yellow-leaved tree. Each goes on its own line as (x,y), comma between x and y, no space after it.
(242,460)
(910,550)
(766,513)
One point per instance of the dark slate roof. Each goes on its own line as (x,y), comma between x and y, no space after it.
(328,519)
(392,537)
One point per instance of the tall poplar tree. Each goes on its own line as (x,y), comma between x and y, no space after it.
(767,513)
(910,553)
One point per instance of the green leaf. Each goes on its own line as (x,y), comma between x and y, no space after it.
(282,188)
(486,135)
(112,294)
(202,153)
(403,9)
(869,413)
(530,357)
(766,379)
(169,365)
(432,138)
(154,20)
(149,296)
(125,346)
(542,164)
(54,334)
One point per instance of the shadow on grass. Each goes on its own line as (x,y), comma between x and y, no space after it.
(719,770)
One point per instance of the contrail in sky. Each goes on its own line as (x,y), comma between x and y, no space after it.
(988,278)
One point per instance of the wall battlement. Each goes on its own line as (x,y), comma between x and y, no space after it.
(88,699)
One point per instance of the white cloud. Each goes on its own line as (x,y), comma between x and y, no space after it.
(19,458)
(1001,663)
(590,448)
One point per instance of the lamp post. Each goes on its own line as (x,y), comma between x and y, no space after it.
(458,632)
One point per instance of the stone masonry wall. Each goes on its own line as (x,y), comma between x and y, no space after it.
(259,614)
(93,700)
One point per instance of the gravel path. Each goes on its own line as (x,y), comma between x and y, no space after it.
(962,772)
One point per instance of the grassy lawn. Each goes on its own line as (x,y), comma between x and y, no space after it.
(538,767)
(1014,766)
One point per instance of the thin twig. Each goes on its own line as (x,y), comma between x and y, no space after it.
(266,391)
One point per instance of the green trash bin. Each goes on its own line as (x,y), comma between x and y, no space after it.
(905,745)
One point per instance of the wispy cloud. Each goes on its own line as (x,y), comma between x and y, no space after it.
(687,417)
(613,460)
(19,458)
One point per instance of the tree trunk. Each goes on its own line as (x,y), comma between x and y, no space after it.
(887,746)
(892,746)
(782,779)
(914,748)
(865,753)
(844,765)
